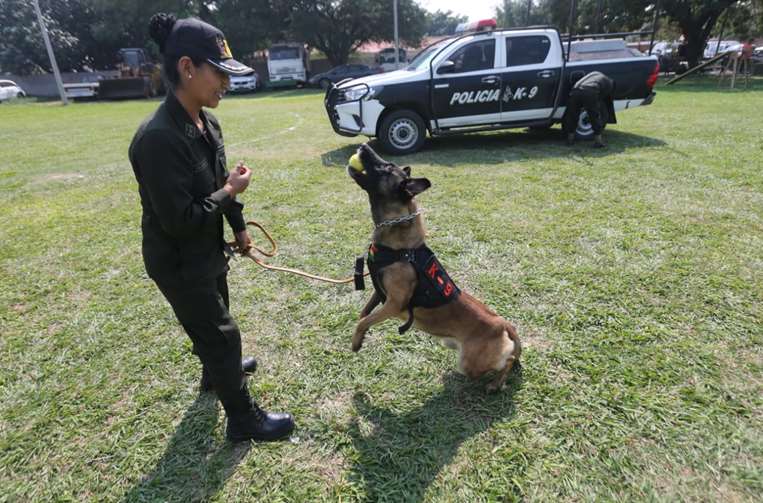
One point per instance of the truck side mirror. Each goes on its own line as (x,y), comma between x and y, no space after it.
(446,67)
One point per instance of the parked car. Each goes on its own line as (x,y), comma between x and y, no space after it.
(479,82)
(342,72)
(713,48)
(10,90)
(671,56)
(244,83)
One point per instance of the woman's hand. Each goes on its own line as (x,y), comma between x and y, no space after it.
(238,179)
(243,242)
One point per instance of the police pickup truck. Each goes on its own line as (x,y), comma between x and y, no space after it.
(482,81)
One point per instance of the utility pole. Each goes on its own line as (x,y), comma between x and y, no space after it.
(597,28)
(654,25)
(52,56)
(529,7)
(397,41)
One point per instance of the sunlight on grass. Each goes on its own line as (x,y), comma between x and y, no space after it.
(634,275)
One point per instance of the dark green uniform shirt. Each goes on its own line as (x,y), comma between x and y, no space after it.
(596,83)
(180,172)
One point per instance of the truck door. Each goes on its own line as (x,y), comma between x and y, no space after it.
(530,77)
(466,86)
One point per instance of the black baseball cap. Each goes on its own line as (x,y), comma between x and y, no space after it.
(193,37)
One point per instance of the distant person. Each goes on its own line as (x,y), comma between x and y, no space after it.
(589,93)
(748,49)
(185,189)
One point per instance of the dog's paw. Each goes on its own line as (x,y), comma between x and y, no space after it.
(495,387)
(357,342)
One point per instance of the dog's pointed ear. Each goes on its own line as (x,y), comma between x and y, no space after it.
(415,186)
(407,170)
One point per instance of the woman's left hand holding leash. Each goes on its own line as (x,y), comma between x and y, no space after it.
(243,242)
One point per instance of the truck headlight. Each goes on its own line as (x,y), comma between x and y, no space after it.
(355,93)
(361,92)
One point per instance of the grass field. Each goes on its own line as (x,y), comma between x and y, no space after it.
(634,275)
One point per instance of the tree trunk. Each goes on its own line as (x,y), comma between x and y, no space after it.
(695,45)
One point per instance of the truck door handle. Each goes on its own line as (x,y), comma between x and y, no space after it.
(492,79)
(545,74)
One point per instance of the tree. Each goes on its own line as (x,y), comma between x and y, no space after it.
(82,32)
(22,49)
(443,22)
(339,27)
(696,18)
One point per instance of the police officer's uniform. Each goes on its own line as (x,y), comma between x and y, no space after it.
(588,93)
(181,169)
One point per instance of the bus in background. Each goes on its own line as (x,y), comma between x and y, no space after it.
(288,64)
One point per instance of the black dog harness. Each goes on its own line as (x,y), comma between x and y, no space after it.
(434,287)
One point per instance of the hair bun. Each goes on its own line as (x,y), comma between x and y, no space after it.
(160,28)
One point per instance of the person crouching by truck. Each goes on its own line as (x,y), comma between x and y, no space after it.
(590,93)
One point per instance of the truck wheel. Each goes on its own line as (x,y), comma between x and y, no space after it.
(584,130)
(20,95)
(402,132)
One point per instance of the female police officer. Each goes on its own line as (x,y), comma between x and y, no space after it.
(178,158)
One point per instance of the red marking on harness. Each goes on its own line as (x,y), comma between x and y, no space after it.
(448,289)
(432,271)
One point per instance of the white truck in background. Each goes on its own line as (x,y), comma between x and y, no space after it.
(288,64)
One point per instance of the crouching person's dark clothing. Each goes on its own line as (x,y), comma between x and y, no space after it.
(590,93)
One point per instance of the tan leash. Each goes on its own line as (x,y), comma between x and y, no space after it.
(274,249)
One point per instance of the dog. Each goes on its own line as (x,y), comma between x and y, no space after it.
(411,284)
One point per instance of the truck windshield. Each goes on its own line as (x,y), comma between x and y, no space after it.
(423,58)
(276,53)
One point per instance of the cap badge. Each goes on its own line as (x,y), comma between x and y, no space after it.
(222,44)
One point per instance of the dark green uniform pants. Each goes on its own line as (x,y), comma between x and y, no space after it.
(202,309)
(583,99)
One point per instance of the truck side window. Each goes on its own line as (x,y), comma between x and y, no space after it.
(529,50)
(477,56)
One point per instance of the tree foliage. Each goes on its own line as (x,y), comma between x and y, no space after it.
(88,33)
(440,23)
(696,20)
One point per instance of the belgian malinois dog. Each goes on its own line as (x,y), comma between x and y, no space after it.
(411,283)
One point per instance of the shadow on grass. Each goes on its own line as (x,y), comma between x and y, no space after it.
(194,466)
(502,147)
(404,453)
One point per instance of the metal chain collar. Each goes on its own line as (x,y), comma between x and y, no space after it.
(399,220)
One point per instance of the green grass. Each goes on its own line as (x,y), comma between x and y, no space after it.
(634,275)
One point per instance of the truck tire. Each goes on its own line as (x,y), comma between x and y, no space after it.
(402,132)
(584,130)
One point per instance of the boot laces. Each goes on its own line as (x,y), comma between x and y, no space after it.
(259,414)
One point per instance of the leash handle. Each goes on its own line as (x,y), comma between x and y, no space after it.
(274,249)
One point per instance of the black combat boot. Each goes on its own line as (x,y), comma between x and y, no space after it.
(598,142)
(257,424)
(570,139)
(248,363)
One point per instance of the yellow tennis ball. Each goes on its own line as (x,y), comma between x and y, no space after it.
(355,163)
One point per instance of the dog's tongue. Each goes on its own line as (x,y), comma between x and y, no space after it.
(355,163)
